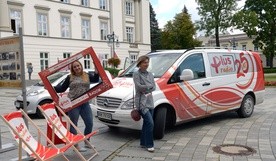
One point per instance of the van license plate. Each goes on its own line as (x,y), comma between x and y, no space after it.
(104,115)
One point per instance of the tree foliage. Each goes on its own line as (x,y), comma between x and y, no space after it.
(180,32)
(258,20)
(216,16)
(155,32)
(114,62)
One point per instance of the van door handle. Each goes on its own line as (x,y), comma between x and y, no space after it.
(205,84)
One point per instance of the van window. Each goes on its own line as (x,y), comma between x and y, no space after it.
(159,63)
(194,62)
(222,64)
(226,64)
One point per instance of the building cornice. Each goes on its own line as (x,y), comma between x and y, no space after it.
(103,17)
(40,7)
(15,3)
(65,11)
(85,14)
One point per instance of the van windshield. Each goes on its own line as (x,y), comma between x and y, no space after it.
(159,63)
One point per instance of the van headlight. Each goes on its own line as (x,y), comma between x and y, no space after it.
(128,104)
(35,92)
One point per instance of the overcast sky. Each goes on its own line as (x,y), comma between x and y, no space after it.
(166,9)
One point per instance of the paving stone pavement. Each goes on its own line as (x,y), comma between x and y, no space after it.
(193,141)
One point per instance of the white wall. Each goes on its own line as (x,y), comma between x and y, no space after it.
(55,45)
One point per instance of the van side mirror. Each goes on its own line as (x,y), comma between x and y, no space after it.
(186,74)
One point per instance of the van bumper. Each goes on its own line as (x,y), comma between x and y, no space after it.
(259,96)
(116,118)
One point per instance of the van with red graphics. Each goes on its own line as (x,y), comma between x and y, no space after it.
(190,84)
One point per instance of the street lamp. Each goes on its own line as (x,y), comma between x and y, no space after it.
(112,41)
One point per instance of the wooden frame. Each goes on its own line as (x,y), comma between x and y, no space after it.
(50,113)
(26,141)
(103,86)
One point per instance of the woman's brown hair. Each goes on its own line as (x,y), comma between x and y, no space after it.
(141,59)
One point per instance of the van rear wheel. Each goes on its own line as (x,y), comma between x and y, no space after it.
(159,122)
(247,107)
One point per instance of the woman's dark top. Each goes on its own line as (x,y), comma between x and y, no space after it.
(77,85)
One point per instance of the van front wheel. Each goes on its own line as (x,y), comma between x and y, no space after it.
(247,107)
(159,122)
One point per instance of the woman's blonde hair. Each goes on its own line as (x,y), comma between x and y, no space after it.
(83,75)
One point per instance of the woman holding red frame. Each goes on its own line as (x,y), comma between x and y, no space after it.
(79,82)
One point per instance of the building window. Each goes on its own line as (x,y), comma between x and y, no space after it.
(87,62)
(65,27)
(244,47)
(104,29)
(256,48)
(85,29)
(15,20)
(65,1)
(66,55)
(44,60)
(42,24)
(129,7)
(85,3)
(103,59)
(129,34)
(103,4)
(133,57)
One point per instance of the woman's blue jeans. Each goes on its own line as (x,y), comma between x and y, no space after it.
(146,139)
(85,112)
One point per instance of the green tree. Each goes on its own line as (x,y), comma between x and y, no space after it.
(216,16)
(180,32)
(155,32)
(258,20)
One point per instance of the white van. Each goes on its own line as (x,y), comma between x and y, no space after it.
(190,84)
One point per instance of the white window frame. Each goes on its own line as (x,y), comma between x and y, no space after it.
(66,55)
(85,3)
(16,15)
(129,7)
(86,62)
(244,47)
(85,29)
(44,60)
(103,4)
(256,48)
(42,24)
(133,56)
(65,29)
(103,30)
(130,34)
(104,59)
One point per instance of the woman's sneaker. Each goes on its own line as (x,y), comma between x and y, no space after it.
(82,149)
(150,149)
(88,146)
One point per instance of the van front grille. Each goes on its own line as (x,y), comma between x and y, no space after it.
(108,102)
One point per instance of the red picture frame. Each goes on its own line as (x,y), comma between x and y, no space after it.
(101,87)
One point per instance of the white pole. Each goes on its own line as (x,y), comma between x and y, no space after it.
(23,82)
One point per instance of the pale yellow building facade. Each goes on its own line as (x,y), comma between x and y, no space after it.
(236,41)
